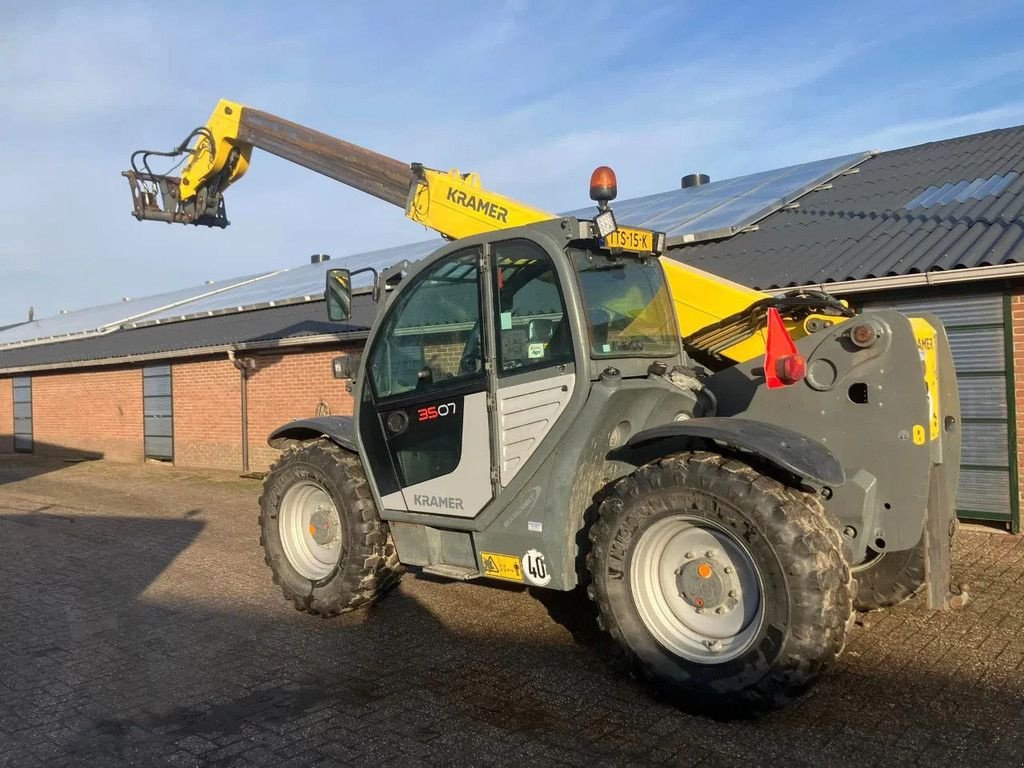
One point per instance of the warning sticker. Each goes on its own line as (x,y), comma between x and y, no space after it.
(501,566)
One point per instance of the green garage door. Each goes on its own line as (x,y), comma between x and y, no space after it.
(157,412)
(978,329)
(23,440)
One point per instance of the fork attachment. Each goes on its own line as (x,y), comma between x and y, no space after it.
(156,198)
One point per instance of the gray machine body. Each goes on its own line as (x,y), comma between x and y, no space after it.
(846,432)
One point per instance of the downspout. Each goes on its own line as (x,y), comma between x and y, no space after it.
(244,365)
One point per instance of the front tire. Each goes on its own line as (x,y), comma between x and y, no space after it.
(321,534)
(723,587)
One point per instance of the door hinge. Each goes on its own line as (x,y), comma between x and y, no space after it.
(495,476)
(492,403)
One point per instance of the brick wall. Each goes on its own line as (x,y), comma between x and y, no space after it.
(290,386)
(442,353)
(207,398)
(91,412)
(6,416)
(99,412)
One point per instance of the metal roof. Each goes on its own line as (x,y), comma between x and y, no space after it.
(263,328)
(859,227)
(290,286)
(101,319)
(294,285)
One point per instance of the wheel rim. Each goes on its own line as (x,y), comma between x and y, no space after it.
(697,589)
(310,529)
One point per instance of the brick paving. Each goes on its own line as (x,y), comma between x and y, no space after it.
(139,626)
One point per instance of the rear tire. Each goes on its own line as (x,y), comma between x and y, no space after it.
(321,533)
(890,578)
(774,567)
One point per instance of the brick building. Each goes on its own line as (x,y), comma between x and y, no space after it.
(201,376)
(201,393)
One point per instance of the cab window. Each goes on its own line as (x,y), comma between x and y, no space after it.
(628,306)
(532,327)
(431,338)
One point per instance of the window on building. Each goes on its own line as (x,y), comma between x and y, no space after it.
(157,412)
(23,440)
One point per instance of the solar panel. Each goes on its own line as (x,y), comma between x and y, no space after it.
(107,317)
(723,208)
(962,191)
(289,286)
(385,258)
(709,211)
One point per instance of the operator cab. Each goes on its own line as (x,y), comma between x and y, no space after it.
(479,351)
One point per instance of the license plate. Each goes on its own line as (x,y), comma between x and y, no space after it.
(627,239)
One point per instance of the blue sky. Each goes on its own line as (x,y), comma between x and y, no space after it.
(531,95)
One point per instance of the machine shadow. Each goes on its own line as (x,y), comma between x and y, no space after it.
(99,672)
(46,458)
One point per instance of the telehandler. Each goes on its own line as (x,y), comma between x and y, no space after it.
(728,475)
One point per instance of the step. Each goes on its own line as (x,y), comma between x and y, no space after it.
(457,572)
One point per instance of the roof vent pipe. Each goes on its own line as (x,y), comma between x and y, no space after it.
(319,258)
(695,180)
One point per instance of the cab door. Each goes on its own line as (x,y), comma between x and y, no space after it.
(534,355)
(427,430)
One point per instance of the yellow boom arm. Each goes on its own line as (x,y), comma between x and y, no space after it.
(454,204)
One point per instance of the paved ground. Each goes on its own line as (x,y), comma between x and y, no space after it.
(138,625)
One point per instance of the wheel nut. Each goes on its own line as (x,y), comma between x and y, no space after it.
(699,610)
(733,593)
(720,610)
(709,553)
(727,569)
(690,555)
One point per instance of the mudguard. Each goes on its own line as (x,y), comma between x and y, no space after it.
(338,429)
(806,458)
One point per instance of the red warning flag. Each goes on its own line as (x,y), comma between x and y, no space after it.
(783,365)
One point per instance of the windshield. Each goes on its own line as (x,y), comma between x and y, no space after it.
(628,306)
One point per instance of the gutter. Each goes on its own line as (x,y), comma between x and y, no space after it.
(218,349)
(942,277)
(923,279)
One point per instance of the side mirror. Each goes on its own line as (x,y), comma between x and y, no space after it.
(345,366)
(338,295)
